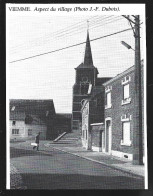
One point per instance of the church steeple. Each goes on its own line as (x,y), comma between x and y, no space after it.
(88,62)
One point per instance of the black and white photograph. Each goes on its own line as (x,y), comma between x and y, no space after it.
(76,97)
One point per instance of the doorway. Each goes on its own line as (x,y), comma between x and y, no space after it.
(108,136)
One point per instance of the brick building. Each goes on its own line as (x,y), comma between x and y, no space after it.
(117,138)
(107,123)
(86,78)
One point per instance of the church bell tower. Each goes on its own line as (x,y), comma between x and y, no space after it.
(86,76)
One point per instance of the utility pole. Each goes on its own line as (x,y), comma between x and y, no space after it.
(137,118)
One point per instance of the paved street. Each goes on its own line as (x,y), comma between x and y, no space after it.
(53,169)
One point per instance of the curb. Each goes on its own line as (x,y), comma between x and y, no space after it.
(111,166)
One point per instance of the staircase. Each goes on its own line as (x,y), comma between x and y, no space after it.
(69,139)
(59,137)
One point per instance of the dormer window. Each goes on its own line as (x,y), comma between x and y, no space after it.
(13,108)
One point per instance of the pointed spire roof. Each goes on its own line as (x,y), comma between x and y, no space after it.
(88,55)
(88,62)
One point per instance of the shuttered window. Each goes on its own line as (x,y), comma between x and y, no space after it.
(126,93)
(126,132)
(108,99)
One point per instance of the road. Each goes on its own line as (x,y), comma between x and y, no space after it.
(53,169)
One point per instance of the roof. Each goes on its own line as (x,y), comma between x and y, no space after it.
(96,90)
(64,115)
(88,62)
(127,71)
(17,116)
(19,108)
(102,80)
(131,69)
(124,73)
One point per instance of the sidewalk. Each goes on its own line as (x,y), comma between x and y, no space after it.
(99,157)
(15,178)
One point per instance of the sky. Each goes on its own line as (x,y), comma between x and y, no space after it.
(52,76)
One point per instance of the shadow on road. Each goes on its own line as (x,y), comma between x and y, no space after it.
(79,181)
(14,152)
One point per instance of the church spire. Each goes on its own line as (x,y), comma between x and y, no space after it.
(88,62)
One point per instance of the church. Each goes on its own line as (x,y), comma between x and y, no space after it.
(86,83)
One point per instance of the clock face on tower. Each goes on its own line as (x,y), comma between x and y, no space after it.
(84,79)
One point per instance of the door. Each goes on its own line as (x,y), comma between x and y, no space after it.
(108,136)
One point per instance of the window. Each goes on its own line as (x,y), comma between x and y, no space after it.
(126,90)
(108,100)
(15,131)
(29,131)
(126,134)
(126,80)
(90,88)
(84,88)
(86,134)
(126,93)
(14,122)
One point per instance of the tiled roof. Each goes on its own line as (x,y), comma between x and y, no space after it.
(122,74)
(17,115)
(20,108)
(32,106)
(102,80)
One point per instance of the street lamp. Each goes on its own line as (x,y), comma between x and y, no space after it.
(126,45)
(137,118)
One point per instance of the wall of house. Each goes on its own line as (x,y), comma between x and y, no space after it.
(92,112)
(18,125)
(35,130)
(23,130)
(118,111)
(96,134)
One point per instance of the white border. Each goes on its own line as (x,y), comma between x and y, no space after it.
(145,117)
(128,9)
(7,112)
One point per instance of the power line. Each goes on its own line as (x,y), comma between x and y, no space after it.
(69,46)
(95,24)
(69,28)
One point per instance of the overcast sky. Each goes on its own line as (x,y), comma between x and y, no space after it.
(52,76)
